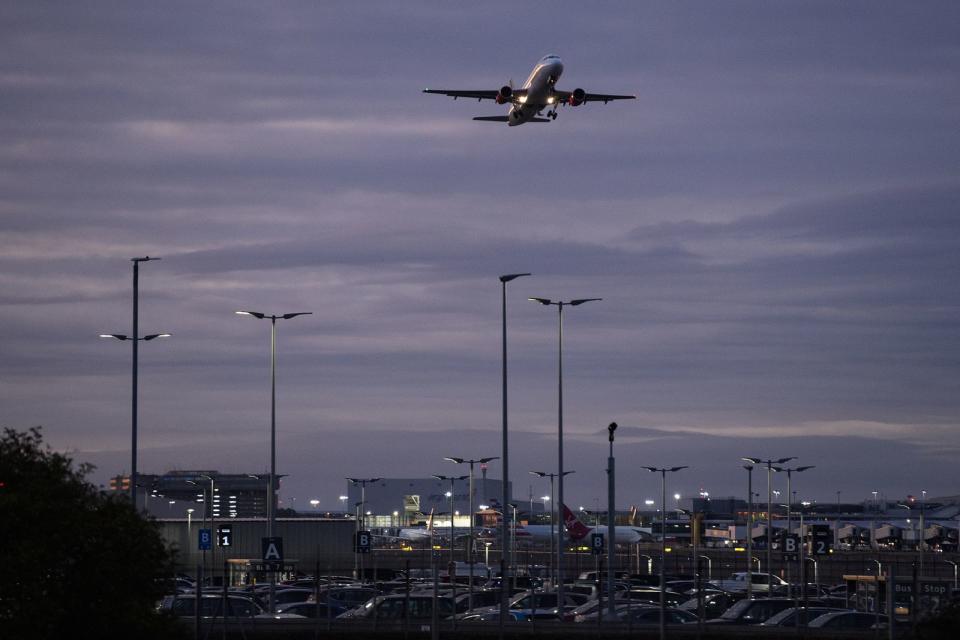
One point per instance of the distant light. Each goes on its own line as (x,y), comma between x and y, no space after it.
(550,100)
(396,513)
(484,507)
(648,502)
(545,498)
(676,496)
(457,513)
(448,494)
(522,99)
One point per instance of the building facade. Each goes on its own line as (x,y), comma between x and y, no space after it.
(200,494)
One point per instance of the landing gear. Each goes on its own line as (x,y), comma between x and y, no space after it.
(552,114)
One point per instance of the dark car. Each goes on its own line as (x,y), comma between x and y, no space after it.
(481,599)
(642,615)
(788,617)
(286,596)
(309,610)
(847,620)
(652,596)
(752,611)
(398,607)
(185,606)
(347,597)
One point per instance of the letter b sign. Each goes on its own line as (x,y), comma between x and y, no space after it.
(790,544)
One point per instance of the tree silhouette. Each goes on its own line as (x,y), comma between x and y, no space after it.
(76,562)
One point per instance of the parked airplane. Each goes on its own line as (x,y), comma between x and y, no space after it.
(412,534)
(576,531)
(539,92)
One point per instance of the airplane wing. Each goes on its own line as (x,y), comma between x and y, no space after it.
(564,96)
(478,95)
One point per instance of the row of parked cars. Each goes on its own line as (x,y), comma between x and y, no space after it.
(584,601)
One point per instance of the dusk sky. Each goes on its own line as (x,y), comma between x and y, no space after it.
(773,227)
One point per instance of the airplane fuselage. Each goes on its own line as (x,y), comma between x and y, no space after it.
(539,91)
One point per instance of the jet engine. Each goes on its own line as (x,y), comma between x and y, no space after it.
(504,95)
(577,97)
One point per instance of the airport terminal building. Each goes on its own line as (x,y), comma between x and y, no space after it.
(407,501)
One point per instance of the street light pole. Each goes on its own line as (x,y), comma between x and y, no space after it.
(611,524)
(135,339)
(452,480)
(663,541)
(271,507)
(483,462)
(504,534)
(749,468)
(789,473)
(769,464)
(553,511)
(360,524)
(560,304)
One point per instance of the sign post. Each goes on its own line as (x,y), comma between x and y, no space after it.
(362,542)
(272,555)
(596,544)
(204,539)
(224,535)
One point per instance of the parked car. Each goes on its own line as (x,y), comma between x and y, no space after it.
(752,611)
(309,610)
(286,596)
(788,617)
(347,597)
(185,606)
(759,582)
(641,615)
(714,603)
(397,607)
(847,620)
(652,596)
(482,599)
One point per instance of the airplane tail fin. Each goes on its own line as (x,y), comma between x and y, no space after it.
(633,515)
(575,529)
(430,521)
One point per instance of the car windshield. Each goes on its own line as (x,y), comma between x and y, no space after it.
(736,610)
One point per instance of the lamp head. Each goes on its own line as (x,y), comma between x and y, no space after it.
(287,316)
(512,276)
(541,300)
(574,303)
(611,428)
(455,460)
(255,314)
(116,336)
(804,468)
(156,335)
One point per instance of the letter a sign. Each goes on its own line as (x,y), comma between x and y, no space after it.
(272,551)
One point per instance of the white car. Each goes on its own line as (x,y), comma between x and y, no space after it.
(738,582)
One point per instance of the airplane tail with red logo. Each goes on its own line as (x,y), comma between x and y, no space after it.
(575,529)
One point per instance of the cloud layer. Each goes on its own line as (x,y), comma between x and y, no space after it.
(773,228)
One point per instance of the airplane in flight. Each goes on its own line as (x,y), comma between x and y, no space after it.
(539,92)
